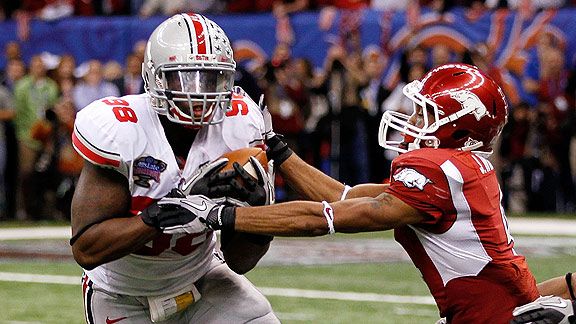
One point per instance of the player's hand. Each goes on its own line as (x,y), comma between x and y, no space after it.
(268,130)
(277,151)
(178,213)
(207,180)
(256,192)
(546,310)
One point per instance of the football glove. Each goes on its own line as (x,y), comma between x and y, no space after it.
(256,192)
(277,151)
(207,180)
(177,213)
(546,310)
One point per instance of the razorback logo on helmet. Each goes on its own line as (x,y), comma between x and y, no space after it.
(411,178)
(470,101)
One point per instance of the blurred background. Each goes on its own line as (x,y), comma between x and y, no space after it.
(328,69)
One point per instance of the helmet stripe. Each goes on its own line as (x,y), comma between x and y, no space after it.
(186,17)
(199,36)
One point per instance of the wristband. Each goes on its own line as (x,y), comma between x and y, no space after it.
(569,283)
(224,217)
(345,192)
(329,214)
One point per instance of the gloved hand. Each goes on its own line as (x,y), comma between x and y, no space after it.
(177,213)
(278,151)
(256,192)
(207,180)
(546,310)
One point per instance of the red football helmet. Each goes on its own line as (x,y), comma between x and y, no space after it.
(455,105)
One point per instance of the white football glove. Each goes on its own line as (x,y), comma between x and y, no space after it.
(268,130)
(178,214)
(545,310)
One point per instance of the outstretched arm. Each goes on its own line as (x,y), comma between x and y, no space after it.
(102,228)
(562,286)
(302,218)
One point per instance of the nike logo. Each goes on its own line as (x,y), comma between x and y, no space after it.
(112,321)
(201,207)
(328,212)
(560,303)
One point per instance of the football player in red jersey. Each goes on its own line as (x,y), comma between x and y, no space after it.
(443,199)
(141,265)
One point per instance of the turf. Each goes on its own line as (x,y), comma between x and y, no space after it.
(54,303)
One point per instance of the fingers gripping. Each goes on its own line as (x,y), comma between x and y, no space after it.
(202,180)
(264,180)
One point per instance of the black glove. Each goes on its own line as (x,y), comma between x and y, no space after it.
(277,150)
(546,310)
(177,213)
(256,192)
(208,180)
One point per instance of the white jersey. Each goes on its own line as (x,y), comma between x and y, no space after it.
(126,134)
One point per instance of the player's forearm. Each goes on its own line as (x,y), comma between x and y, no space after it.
(111,240)
(303,218)
(557,286)
(366,190)
(299,218)
(310,182)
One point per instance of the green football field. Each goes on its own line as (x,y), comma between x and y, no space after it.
(26,302)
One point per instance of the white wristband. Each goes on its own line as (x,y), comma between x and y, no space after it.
(329,214)
(345,192)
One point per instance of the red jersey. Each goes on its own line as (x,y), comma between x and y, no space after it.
(463,248)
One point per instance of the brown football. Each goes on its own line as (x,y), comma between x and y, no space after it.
(242,156)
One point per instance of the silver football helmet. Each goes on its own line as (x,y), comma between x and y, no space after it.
(188,70)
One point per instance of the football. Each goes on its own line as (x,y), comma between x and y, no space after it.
(242,156)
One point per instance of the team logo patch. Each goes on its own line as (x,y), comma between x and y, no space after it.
(411,178)
(146,169)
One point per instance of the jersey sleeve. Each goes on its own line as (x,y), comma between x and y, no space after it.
(422,185)
(244,122)
(101,139)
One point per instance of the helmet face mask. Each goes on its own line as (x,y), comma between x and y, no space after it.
(455,106)
(188,70)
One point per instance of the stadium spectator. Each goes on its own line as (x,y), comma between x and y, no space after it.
(92,85)
(443,201)
(64,75)
(131,81)
(57,165)
(126,234)
(6,182)
(513,156)
(373,95)
(15,70)
(33,95)
(166,8)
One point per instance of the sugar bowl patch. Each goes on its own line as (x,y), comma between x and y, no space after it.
(147,168)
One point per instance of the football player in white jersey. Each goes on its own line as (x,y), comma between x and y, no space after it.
(443,199)
(143,261)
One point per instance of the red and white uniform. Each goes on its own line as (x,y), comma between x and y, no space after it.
(126,134)
(463,249)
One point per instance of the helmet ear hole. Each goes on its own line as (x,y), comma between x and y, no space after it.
(460,134)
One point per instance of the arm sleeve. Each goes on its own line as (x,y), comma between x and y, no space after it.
(422,185)
(97,137)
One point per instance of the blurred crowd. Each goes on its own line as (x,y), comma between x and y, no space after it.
(330,114)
